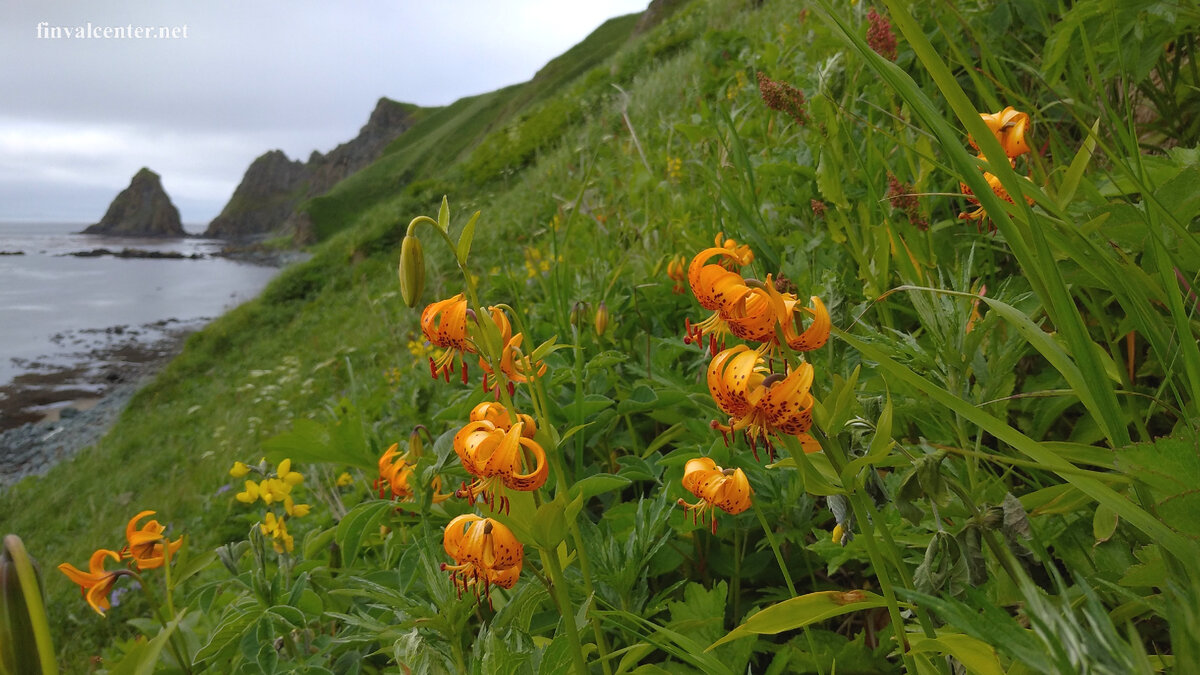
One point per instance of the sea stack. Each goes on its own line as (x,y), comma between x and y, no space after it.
(141,210)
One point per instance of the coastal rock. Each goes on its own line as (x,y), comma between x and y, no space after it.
(270,190)
(274,187)
(141,210)
(135,253)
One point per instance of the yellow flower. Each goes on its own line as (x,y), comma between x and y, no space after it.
(249,495)
(345,479)
(294,509)
(759,402)
(96,583)
(277,531)
(145,544)
(726,489)
(486,552)
(239,470)
(285,473)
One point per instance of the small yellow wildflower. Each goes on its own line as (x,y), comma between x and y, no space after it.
(239,470)
(276,529)
(345,479)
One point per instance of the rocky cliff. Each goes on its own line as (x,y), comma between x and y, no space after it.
(141,210)
(274,186)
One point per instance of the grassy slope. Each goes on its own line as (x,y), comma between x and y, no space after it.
(322,330)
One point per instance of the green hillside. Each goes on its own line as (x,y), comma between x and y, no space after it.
(1003,421)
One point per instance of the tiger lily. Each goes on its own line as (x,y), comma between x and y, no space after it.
(758,402)
(716,288)
(394,473)
(993,182)
(444,324)
(486,552)
(677,273)
(739,257)
(495,455)
(726,489)
(515,365)
(96,583)
(1008,126)
(145,544)
(497,414)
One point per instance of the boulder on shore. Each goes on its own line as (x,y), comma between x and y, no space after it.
(141,210)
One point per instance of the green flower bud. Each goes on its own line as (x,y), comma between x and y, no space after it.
(412,270)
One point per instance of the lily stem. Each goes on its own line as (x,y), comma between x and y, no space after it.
(558,580)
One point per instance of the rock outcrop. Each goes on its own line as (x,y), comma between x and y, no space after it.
(141,210)
(267,195)
(274,186)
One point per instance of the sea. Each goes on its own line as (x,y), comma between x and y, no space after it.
(53,303)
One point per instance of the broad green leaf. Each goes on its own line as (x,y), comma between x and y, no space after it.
(464,239)
(1104,523)
(977,655)
(599,484)
(1171,469)
(803,611)
(550,524)
(357,524)
(229,632)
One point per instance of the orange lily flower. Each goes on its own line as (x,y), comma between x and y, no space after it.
(726,489)
(758,402)
(716,288)
(146,543)
(394,472)
(497,414)
(96,583)
(444,324)
(515,365)
(486,552)
(495,455)
(677,273)
(1009,127)
(739,257)
(993,182)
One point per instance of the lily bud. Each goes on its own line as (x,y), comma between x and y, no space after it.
(601,320)
(415,446)
(577,313)
(412,270)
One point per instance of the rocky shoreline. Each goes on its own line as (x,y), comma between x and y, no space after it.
(53,411)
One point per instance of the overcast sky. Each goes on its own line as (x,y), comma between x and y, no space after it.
(78,117)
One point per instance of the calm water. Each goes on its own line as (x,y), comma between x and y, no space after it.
(46,292)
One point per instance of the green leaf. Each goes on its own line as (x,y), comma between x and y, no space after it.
(1104,523)
(550,524)
(598,484)
(1070,183)
(803,611)
(976,655)
(464,239)
(1093,487)
(943,571)
(443,219)
(142,658)
(360,521)
(1170,467)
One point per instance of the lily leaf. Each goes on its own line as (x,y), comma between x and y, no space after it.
(803,611)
